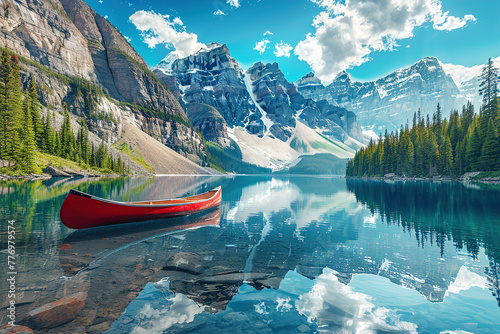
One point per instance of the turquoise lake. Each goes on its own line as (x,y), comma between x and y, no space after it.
(285,254)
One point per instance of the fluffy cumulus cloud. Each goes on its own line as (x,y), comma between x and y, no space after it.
(261,46)
(282,49)
(219,12)
(267,33)
(348,32)
(161,29)
(233,3)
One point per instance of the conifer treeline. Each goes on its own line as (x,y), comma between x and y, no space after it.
(463,143)
(23,131)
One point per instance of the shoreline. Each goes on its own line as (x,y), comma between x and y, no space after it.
(492,180)
(68,173)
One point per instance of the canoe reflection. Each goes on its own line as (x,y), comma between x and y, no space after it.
(83,248)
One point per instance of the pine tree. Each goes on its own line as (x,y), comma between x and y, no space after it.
(432,154)
(28,139)
(488,84)
(34,106)
(446,157)
(83,142)
(473,150)
(11,108)
(49,136)
(490,149)
(67,138)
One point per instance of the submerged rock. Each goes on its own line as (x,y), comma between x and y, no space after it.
(57,313)
(16,329)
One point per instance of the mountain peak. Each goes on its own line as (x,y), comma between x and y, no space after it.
(308,79)
(343,76)
(165,65)
(308,75)
(428,62)
(212,46)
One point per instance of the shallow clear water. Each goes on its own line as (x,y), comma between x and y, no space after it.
(282,254)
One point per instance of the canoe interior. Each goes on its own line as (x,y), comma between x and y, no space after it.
(201,197)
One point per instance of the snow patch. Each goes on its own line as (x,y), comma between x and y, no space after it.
(370,134)
(381,92)
(265,119)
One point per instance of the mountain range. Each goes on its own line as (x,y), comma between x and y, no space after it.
(205,108)
(258,110)
(391,101)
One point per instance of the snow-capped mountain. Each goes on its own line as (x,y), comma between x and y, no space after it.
(211,77)
(259,110)
(284,105)
(392,100)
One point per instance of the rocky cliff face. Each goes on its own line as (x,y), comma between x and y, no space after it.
(284,105)
(41,31)
(390,101)
(212,77)
(70,40)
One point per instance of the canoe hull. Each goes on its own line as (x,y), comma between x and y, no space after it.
(81,210)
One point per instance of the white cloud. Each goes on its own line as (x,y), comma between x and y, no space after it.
(233,3)
(267,33)
(128,38)
(282,49)
(219,12)
(160,29)
(347,33)
(178,21)
(100,1)
(408,46)
(261,46)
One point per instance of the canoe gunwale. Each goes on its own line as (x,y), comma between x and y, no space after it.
(131,204)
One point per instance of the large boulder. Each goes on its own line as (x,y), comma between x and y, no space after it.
(56,313)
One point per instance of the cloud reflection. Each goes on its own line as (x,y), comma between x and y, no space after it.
(178,309)
(336,308)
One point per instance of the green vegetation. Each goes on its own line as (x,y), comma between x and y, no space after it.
(23,132)
(230,160)
(134,154)
(322,163)
(465,142)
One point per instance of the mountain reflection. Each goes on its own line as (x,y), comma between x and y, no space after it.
(437,213)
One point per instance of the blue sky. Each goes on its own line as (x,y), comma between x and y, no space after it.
(368,38)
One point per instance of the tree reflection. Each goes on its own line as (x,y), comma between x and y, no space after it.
(438,213)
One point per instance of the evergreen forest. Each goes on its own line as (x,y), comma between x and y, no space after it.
(465,141)
(24,131)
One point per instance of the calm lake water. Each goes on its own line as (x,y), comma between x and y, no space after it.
(282,254)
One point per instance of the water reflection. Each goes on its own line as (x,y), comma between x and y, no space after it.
(437,213)
(290,254)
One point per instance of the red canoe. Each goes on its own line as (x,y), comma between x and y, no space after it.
(81,210)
